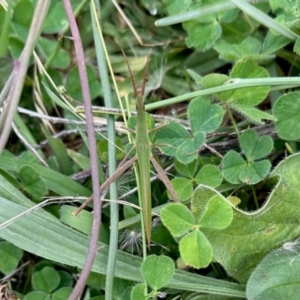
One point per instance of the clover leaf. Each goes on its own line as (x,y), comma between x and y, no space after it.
(211,211)
(174,140)
(287,112)
(236,169)
(208,174)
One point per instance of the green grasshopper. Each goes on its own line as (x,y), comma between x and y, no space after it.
(143,157)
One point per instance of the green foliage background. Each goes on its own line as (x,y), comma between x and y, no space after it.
(223,83)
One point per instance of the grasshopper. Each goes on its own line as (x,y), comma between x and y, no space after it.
(143,157)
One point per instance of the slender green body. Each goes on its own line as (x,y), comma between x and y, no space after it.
(143,157)
(143,154)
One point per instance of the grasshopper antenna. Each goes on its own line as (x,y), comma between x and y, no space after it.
(137,94)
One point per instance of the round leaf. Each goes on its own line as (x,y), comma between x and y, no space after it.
(187,152)
(47,47)
(241,246)
(56,19)
(250,95)
(209,175)
(23,12)
(73,84)
(183,188)
(37,295)
(287,112)
(170,137)
(102,149)
(254,146)
(203,36)
(187,170)
(63,293)
(204,116)
(249,48)
(218,213)
(232,165)
(196,250)
(139,292)
(45,280)
(157,270)
(255,172)
(277,276)
(177,218)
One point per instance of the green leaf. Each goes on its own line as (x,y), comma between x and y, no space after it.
(274,42)
(54,181)
(23,13)
(195,250)
(201,196)
(32,182)
(187,170)
(62,294)
(251,113)
(170,137)
(251,95)
(84,162)
(183,188)
(83,222)
(66,279)
(37,296)
(46,48)
(139,292)
(236,170)
(287,112)
(187,152)
(277,276)
(255,146)
(6,67)
(102,149)
(204,116)
(195,76)
(73,84)
(209,175)
(297,46)
(288,6)
(43,235)
(203,36)
(177,218)
(217,215)
(254,95)
(212,80)
(61,154)
(157,270)
(56,19)
(251,235)
(250,47)
(10,256)
(255,172)
(46,280)
(128,212)
(232,164)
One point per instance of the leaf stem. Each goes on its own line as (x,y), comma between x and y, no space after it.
(233,121)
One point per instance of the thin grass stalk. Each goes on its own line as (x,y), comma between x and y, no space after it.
(93,246)
(264,19)
(231,84)
(20,69)
(200,12)
(4,38)
(114,207)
